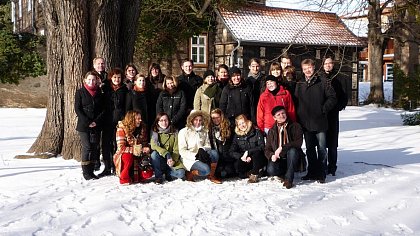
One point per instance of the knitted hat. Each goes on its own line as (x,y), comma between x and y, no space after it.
(207,73)
(234,70)
(277,109)
(271,78)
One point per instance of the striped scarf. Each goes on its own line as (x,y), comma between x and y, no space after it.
(283,138)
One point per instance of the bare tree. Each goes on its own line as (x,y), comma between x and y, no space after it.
(78,31)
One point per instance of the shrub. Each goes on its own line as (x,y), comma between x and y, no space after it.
(411,118)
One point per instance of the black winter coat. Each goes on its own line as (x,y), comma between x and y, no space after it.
(253,142)
(115,105)
(221,147)
(143,102)
(89,109)
(189,84)
(236,100)
(315,100)
(336,81)
(175,105)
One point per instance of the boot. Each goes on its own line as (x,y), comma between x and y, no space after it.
(107,170)
(86,174)
(189,175)
(252,179)
(91,169)
(211,176)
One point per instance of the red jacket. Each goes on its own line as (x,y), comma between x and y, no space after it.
(268,101)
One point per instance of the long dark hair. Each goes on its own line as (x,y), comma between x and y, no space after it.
(155,127)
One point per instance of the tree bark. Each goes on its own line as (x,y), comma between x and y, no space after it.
(77,32)
(50,139)
(375,53)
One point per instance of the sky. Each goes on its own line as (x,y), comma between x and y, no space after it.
(376,190)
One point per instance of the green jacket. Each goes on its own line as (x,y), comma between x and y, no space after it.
(168,144)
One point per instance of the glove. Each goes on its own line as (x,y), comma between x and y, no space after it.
(203,156)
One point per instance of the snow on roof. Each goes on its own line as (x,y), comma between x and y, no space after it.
(257,23)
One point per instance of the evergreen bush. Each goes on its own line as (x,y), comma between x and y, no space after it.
(411,118)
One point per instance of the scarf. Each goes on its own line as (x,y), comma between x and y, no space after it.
(91,89)
(115,87)
(275,91)
(211,90)
(283,138)
(155,135)
(137,89)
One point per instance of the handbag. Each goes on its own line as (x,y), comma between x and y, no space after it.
(137,149)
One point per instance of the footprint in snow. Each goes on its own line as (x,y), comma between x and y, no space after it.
(88,223)
(360,215)
(339,220)
(400,206)
(403,229)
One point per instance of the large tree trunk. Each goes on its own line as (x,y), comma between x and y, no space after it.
(375,53)
(50,139)
(77,32)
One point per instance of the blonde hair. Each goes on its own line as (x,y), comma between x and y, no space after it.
(175,80)
(129,122)
(224,124)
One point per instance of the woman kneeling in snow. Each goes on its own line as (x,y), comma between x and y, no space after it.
(131,141)
(165,155)
(194,146)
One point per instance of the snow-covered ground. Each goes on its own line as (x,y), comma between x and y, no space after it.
(376,191)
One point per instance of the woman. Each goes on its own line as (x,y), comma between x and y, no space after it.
(130,75)
(115,111)
(275,70)
(194,147)
(155,77)
(207,96)
(173,102)
(140,99)
(273,96)
(89,108)
(220,140)
(222,75)
(131,141)
(248,149)
(165,154)
(237,97)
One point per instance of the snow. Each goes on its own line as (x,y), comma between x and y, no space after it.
(376,190)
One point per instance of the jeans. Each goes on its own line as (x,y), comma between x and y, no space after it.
(203,168)
(282,166)
(161,167)
(317,162)
(90,151)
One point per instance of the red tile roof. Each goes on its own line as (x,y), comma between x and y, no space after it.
(258,23)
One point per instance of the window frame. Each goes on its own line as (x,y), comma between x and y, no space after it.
(198,46)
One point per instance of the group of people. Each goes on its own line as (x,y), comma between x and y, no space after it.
(216,127)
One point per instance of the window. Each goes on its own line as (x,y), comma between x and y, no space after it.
(199,49)
(29,5)
(389,73)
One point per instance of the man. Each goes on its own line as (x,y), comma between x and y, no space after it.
(315,99)
(255,79)
(99,65)
(189,82)
(283,146)
(336,81)
(285,61)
